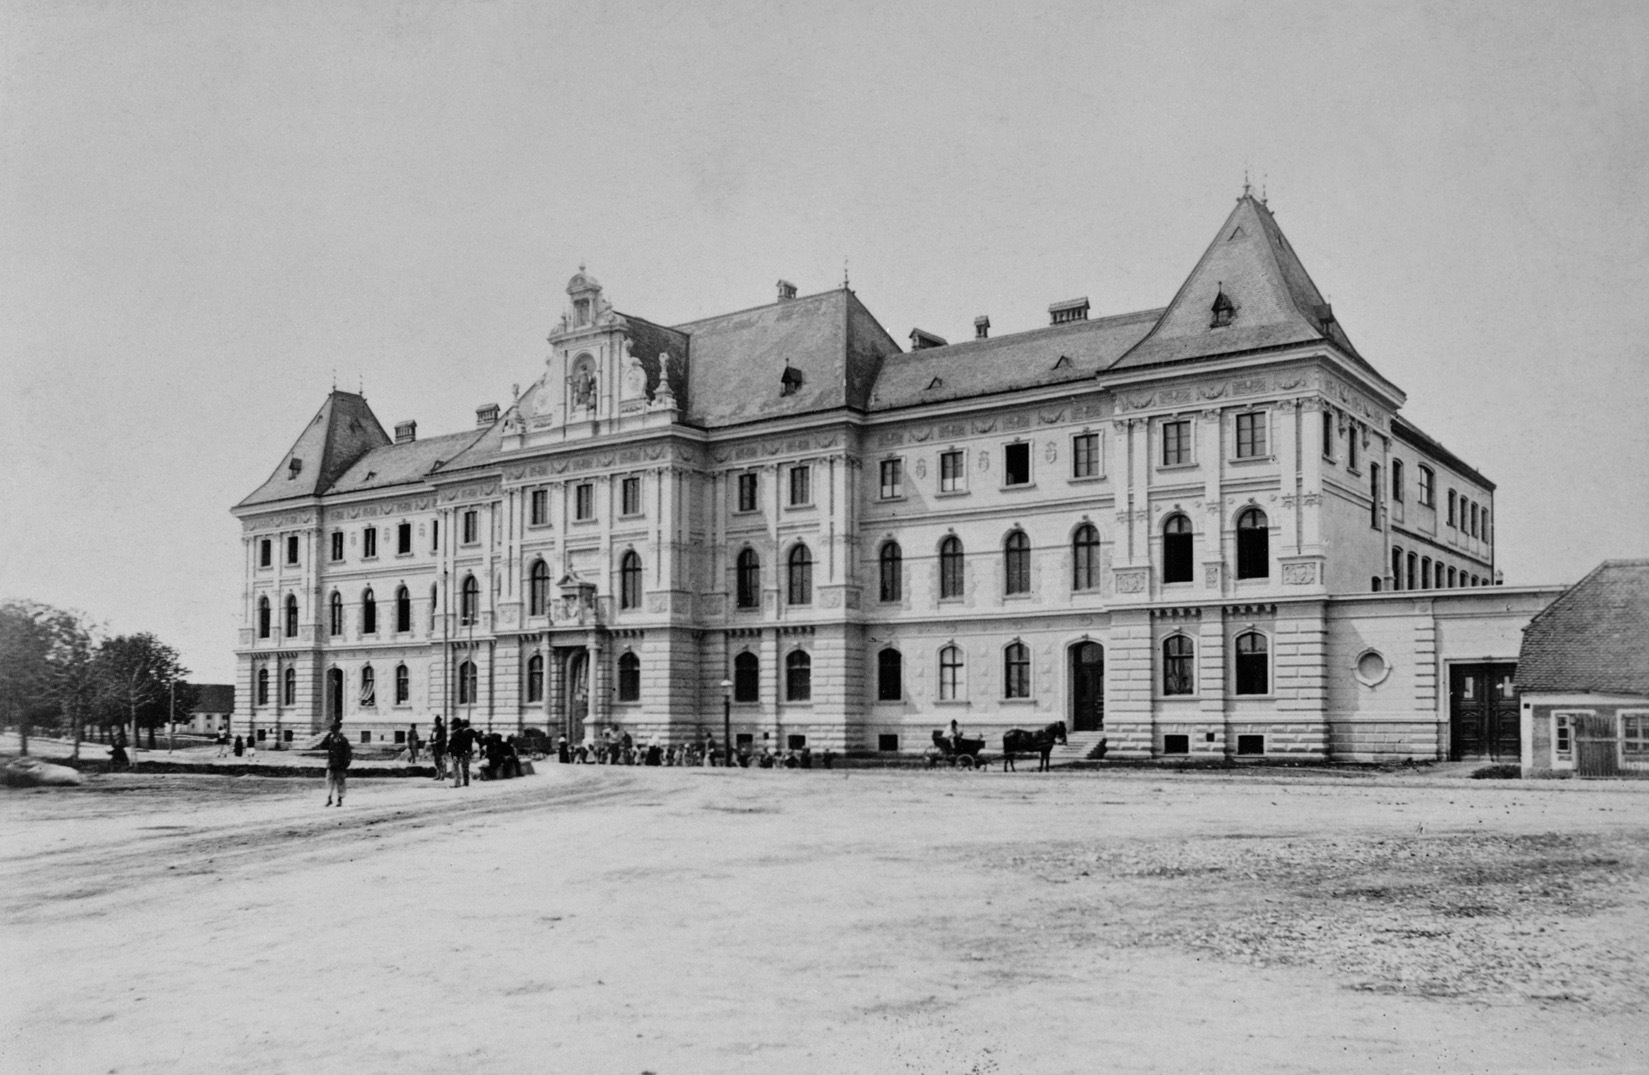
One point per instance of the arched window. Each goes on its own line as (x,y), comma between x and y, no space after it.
(1397,480)
(891,563)
(950,567)
(1253,545)
(1412,581)
(263,617)
(1085,558)
(747,681)
(1176,549)
(1177,675)
(798,677)
(1016,671)
(749,581)
(801,576)
(535,678)
(1453,576)
(629,580)
(469,600)
(629,677)
(950,674)
(369,688)
(466,683)
(403,610)
(1396,569)
(291,616)
(1016,563)
(434,603)
(403,685)
(890,676)
(1437,575)
(335,614)
(263,686)
(1425,572)
(538,589)
(289,686)
(369,613)
(1253,666)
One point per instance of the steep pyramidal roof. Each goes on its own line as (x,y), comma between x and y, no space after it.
(342,431)
(1269,299)
(1591,639)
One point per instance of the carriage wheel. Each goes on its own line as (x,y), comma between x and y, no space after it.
(965,761)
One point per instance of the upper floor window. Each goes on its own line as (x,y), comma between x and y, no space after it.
(403,539)
(1413,572)
(262,693)
(801,576)
(1474,532)
(1176,549)
(798,677)
(1486,536)
(369,613)
(1428,488)
(746,677)
(467,677)
(1085,558)
(1397,480)
(749,582)
(950,567)
(1328,434)
(335,614)
(629,677)
(1016,671)
(629,581)
(1085,455)
(1396,569)
(630,496)
(1176,443)
(1353,440)
(434,604)
(891,568)
(471,522)
(337,545)
(266,552)
(584,502)
(1253,545)
(538,507)
(263,617)
(469,600)
(1374,495)
(893,479)
(1425,572)
(747,491)
(435,536)
(1453,499)
(403,610)
(890,675)
(1016,464)
(1253,664)
(538,589)
(292,549)
(369,542)
(801,485)
(1016,563)
(1251,435)
(1177,673)
(952,478)
(291,616)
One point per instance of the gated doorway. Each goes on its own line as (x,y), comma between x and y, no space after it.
(1087,687)
(1483,713)
(1596,745)
(576,698)
(334,695)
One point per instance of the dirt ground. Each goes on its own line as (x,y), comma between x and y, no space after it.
(593,920)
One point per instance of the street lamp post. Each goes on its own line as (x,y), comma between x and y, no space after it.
(727,719)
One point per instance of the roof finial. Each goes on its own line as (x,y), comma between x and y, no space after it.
(580,264)
(1245,181)
(1262,190)
(334,378)
(844,273)
(360,381)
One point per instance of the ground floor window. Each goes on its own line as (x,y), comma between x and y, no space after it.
(1176,665)
(466,683)
(890,668)
(1253,666)
(746,677)
(629,678)
(798,677)
(1634,735)
(1016,671)
(535,678)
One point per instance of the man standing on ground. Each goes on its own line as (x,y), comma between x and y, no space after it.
(412,744)
(438,749)
(459,746)
(338,756)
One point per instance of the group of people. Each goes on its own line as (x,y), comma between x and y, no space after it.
(617,747)
(452,750)
(244,746)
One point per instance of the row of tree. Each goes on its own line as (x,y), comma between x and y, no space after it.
(58,672)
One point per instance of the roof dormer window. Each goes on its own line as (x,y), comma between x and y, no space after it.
(294,468)
(1224,309)
(790,380)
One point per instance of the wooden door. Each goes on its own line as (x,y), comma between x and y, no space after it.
(1483,712)
(1596,747)
(1087,687)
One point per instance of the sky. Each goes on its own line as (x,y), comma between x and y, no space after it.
(212,212)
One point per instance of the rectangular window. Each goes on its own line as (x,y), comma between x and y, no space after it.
(630,496)
(1563,731)
(584,502)
(472,527)
(1374,495)
(266,552)
(1397,480)
(1251,436)
(1474,522)
(1085,455)
(1250,744)
(747,492)
(1176,744)
(403,539)
(1428,488)
(435,536)
(292,549)
(887,741)
(1328,434)
(801,485)
(1634,735)
(951,476)
(1351,446)
(1016,464)
(1176,443)
(369,542)
(539,507)
(893,484)
(337,545)
(1452,502)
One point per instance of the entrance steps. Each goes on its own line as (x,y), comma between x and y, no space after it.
(1079,746)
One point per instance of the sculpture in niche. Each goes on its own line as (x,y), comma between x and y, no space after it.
(635,376)
(583,384)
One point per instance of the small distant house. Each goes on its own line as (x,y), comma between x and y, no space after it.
(1583,674)
(214,709)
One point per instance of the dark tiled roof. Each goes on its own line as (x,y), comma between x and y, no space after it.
(215,698)
(1594,638)
(399,464)
(1256,268)
(1007,363)
(340,433)
(1404,430)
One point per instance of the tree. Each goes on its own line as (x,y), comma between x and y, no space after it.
(45,673)
(74,676)
(135,674)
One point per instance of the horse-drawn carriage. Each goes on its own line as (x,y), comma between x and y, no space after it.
(959,753)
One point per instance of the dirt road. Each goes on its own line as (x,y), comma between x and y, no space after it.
(660,920)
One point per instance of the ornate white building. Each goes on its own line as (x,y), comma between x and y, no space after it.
(1200,529)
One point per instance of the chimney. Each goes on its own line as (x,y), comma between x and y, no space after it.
(406,432)
(921,340)
(1063,313)
(787,290)
(981,327)
(486,414)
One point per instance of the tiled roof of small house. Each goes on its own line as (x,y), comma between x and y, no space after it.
(215,698)
(1594,638)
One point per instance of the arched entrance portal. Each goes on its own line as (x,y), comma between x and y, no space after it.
(577,694)
(334,695)
(1087,687)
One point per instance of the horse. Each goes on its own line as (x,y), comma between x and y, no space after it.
(1019,741)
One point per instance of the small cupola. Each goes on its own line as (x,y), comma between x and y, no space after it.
(1063,313)
(921,340)
(485,415)
(981,327)
(406,432)
(1224,309)
(787,290)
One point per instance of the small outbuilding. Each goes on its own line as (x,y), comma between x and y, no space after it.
(1583,676)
